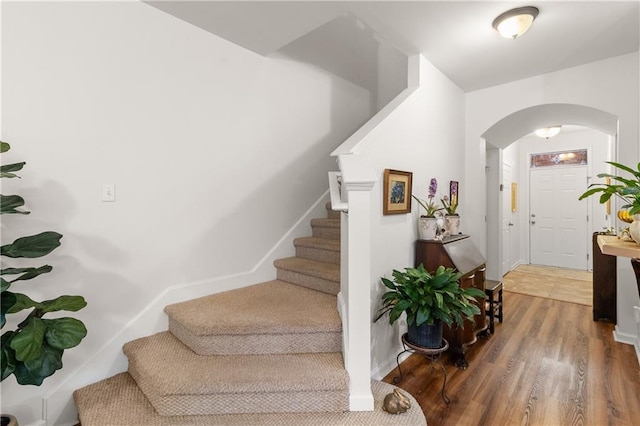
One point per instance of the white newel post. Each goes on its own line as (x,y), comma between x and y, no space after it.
(358,180)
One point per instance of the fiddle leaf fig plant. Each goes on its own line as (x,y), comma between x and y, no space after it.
(33,350)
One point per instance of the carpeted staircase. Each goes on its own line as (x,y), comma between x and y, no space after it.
(268,354)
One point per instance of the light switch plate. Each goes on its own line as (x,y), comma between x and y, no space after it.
(108,192)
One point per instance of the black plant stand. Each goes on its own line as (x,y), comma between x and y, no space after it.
(432,354)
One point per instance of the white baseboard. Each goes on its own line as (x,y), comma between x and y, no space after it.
(361,402)
(628,339)
(388,365)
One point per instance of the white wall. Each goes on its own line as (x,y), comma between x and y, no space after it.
(215,152)
(425,136)
(610,85)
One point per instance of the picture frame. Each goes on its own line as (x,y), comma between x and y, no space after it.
(514,197)
(397,192)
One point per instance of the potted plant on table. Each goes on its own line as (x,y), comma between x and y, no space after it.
(451,218)
(429,300)
(33,350)
(626,189)
(428,225)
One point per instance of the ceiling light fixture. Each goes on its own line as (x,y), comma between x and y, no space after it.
(548,132)
(515,22)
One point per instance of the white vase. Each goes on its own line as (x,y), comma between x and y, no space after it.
(634,228)
(452,224)
(427,228)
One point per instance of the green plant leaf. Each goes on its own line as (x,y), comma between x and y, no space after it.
(9,204)
(4,147)
(28,342)
(64,303)
(27,273)
(5,284)
(64,333)
(22,302)
(7,301)
(6,171)
(625,168)
(35,371)
(8,362)
(32,246)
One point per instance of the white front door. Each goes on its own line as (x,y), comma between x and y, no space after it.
(557,220)
(506,218)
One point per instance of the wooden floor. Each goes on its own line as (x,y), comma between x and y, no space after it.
(547,364)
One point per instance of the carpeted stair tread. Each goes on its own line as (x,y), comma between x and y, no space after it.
(320,243)
(323,270)
(271,317)
(234,384)
(320,249)
(118,401)
(320,276)
(326,228)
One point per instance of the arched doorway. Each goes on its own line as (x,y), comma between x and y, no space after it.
(510,129)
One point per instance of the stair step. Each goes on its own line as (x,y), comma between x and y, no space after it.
(268,318)
(321,276)
(204,385)
(332,214)
(326,228)
(118,401)
(320,249)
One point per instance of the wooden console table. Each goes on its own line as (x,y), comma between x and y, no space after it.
(613,246)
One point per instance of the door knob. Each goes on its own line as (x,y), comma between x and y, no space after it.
(510,224)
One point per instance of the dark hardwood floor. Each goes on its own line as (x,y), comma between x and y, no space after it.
(548,363)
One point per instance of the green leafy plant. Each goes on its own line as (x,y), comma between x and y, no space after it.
(449,206)
(427,297)
(33,351)
(627,189)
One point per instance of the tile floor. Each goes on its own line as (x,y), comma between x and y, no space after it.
(568,285)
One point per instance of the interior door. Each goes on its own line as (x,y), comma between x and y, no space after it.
(506,218)
(557,220)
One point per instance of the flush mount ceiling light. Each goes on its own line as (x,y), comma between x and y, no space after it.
(548,132)
(515,22)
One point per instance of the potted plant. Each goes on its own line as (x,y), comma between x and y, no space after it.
(626,189)
(429,300)
(452,219)
(428,225)
(33,349)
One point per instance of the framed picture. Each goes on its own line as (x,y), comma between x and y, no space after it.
(514,196)
(453,192)
(397,192)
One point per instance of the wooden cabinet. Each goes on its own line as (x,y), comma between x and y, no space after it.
(457,252)
(604,284)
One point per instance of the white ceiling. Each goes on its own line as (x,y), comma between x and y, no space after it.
(456,36)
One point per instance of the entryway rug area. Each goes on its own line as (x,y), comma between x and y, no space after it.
(567,285)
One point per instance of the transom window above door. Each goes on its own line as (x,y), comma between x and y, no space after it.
(560,158)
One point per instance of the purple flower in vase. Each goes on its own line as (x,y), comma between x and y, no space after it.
(433,187)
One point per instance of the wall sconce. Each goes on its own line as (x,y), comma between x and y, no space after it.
(515,22)
(548,132)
